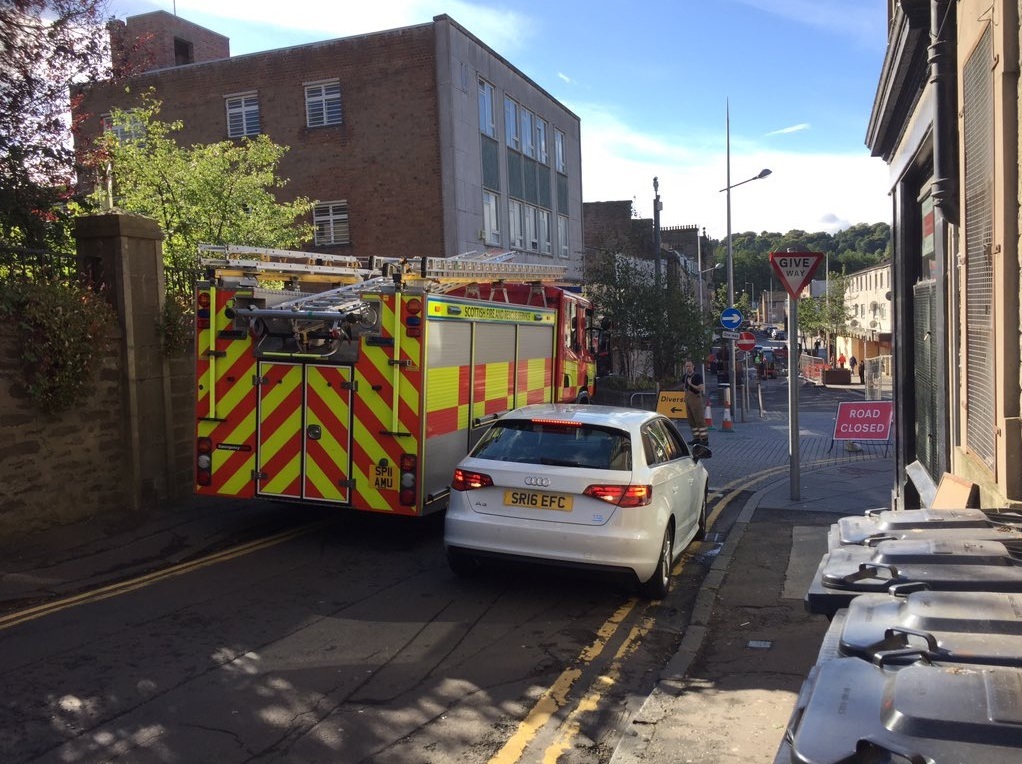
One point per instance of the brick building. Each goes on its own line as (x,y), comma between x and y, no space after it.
(413,141)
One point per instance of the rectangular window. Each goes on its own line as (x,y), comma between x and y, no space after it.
(491,221)
(544,232)
(514,225)
(242,115)
(127,129)
(487,123)
(559,164)
(323,103)
(331,222)
(528,133)
(562,235)
(541,149)
(531,233)
(511,135)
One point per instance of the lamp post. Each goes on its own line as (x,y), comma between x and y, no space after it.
(730,254)
(656,230)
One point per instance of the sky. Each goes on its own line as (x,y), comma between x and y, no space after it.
(653,83)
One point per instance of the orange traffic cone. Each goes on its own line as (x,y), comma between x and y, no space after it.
(726,425)
(708,416)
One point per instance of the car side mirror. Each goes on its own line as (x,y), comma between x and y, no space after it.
(700,451)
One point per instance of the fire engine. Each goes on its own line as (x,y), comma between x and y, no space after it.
(324,379)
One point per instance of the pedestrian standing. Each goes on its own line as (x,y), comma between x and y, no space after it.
(852,363)
(841,361)
(692,384)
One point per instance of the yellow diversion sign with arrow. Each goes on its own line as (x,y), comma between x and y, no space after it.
(671,404)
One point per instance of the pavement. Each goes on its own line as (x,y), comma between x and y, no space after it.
(727,693)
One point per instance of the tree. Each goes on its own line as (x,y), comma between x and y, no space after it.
(46,46)
(651,328)
(217,193)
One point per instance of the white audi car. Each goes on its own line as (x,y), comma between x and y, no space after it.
(603,487)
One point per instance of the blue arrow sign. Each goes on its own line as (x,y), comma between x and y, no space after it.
(731,318)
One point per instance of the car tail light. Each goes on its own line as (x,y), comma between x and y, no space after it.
(466,480)
(204,461)
(622,495)
(408,463)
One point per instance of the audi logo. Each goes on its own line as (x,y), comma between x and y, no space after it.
(540,482)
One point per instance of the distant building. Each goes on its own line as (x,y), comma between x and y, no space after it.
(413,141)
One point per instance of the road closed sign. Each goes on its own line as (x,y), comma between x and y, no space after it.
(864,420)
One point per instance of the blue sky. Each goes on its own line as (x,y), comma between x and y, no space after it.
(651,83)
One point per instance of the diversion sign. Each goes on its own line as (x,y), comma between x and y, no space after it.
(864,420)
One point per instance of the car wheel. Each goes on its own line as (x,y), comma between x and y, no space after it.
(701,526)
(463,565)
(660,582)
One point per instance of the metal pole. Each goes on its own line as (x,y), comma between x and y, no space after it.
(793,402)
(656,229)
(732,369)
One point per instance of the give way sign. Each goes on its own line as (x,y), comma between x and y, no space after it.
(795,269)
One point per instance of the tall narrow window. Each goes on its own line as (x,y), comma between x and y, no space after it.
(562,235)
(323,103)
(242,115)
(544,232)
(514,225)
(541,149)
(530,229)
(331,223)
(511,134)
(491,220)
(559,164)
(528,133)
(487,123)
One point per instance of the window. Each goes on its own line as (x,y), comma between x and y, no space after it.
(127,129)
(562,234)
(511,136)
(331,222)
(184,52)
(531,234)
(491,222)
(559,151)
(514,224)
(487,124)
(242,115)
(544,231)
(323,103)
(528,133)
(541,150)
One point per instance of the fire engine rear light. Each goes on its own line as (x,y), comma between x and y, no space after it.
(414,306)
(407,464)
(466,480)
(202,310)
(204,461)
(622,495)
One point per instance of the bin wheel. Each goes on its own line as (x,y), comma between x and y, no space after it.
(659,584)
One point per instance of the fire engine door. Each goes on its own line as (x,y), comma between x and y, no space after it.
(304,431)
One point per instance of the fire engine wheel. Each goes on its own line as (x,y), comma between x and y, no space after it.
(463,565)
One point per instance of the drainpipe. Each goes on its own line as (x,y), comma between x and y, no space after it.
(943,74)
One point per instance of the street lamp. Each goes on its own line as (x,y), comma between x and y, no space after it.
(702,289)
(730,254)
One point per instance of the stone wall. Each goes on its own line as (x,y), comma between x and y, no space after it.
(129,445)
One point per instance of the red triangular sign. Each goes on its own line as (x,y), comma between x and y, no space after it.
(795,269)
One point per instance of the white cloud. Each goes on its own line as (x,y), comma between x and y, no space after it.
(802,126)
(807,191)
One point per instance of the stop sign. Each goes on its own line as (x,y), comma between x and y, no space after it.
(746,342)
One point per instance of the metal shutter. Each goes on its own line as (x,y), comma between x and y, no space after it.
(978,136)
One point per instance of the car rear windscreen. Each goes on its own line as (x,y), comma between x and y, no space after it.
(557,444)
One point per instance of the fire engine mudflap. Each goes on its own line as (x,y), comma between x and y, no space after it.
(362,395)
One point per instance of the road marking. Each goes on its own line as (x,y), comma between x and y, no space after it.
(123,587)
(556,696)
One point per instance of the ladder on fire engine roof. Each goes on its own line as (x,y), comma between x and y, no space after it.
(264,263)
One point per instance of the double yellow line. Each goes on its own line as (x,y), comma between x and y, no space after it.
(122,587)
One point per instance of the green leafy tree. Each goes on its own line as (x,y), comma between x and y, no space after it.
(651,328)
(219,193)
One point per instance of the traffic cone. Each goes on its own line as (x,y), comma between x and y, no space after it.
(708,415)
(726,425)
